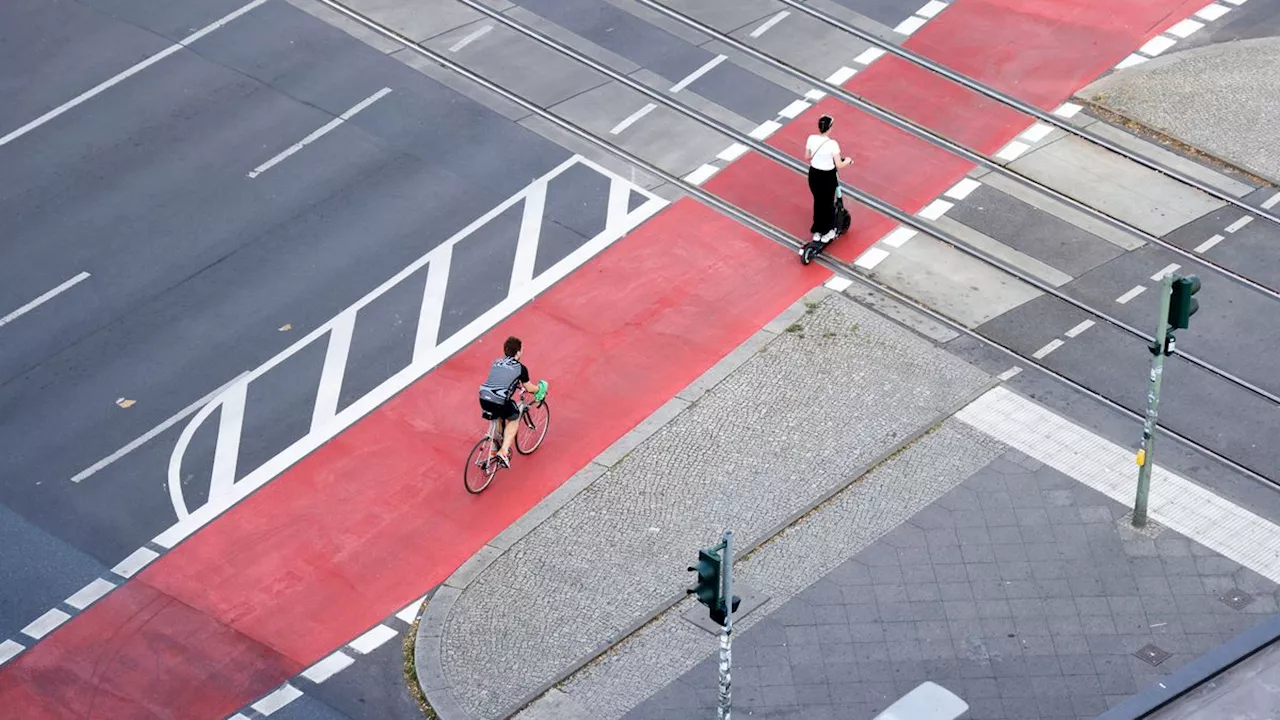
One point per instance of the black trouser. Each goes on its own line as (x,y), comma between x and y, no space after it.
(823,183)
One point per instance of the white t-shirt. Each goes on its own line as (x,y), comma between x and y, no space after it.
(823,152)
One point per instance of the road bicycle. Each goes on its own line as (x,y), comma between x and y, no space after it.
(483,463)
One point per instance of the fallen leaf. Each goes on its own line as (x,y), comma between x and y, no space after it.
(125,402)
(286,327)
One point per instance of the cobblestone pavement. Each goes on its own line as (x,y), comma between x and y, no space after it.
(752,454)
(1021,590)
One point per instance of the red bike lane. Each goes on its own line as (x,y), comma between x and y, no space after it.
(377,516)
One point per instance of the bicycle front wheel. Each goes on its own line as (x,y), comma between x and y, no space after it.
(533,427)
(482,465)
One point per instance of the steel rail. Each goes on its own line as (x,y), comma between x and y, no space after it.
(1027,108)
(766,229)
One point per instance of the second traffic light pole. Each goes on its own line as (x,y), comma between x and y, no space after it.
(1158,350)
(724,706)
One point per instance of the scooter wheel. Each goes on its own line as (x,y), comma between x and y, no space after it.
(806,254)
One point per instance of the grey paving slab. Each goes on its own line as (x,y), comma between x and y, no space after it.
(1178,162)
(417,20)
(1002,252)
(727,16)
(1114,185)
(1020,590)
(1248,250)
(1062,211)
(792,448)
(1034,232)
(1209,98)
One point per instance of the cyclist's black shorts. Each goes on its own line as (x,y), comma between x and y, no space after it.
(505,410)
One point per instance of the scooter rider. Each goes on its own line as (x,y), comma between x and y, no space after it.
(823,154)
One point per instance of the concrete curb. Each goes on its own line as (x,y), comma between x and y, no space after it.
(428,649)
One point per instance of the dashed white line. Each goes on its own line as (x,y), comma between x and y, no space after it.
(631,119)
(1166,270)
(1049,347)
(90,593)
(282,696)
(935,210)
(45,624)
(46,297)
(898,236)
(795,108)
(816,95)
(1036,133)
(910,25)
(328,667)
(1012,150)
(1212,12)
(319,133)
(1085,325)
(841,76)
(1236,2)
(1067,110)
(768,24)
(9,649)
(869,56)
(693,76)
(961,190)
(765,129)
(1135,292)
(838,284)
(733,152)
(1130,61)
(137,560)
(871,258)
(1239,223)
(470,38)
(1156,45)
(1009,374)
(1185,28)
(1207,245)
(701,175)
(135,69)
(931,9)
(1271,201)
(372,640)
(410,612)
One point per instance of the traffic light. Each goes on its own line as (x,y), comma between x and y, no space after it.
(1181,305)
(709,587)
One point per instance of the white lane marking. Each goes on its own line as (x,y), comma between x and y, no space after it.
(410,612)
(349,415)
(768,24)
(226,451)
(66,285)
(1009,374)
(1239,223)
(1157,45)
(1166,270)
(701,175)
(733,152)
(871,258)
(1236,2)
(142,439)
(328,667)
(1085,325)
(1036,133)
(428,333)
(1185,28)
(1049,347)
(282,696)
(331,373)
(795,108)
(1130,61)
(45,624)
(839,284)
(527,241)
(238,716)
(1179,504)
(1213,12)
(931,9)
(691,77)
(1208,244)
(137,560)
(135,69)
(814,95)
(1135,292)
(869,56)
(935,210)
(961,190)
(841,76)
(372,640)
(898,236)
(1271,201)
(765,129)
(318,133)
(1067,110)
(9,649)
(1012,150)
(910,25)
(90,593)
(472,37)
(617,206)
(631,119)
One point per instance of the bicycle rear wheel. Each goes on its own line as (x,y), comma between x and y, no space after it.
(482,465)
(533,427)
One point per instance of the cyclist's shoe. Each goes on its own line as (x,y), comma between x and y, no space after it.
(506,462)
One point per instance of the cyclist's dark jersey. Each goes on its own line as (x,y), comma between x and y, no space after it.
(506,373)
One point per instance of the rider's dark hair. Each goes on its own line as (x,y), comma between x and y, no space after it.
(511,346)
(824,123)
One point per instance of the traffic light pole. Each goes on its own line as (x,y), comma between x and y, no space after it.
(724,708)
(1146,455)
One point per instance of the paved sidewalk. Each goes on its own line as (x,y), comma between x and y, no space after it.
(800,411)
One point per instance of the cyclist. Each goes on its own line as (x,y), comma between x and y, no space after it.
(506,374)
(823,154)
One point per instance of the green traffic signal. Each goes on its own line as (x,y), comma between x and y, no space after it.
(1181,305)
